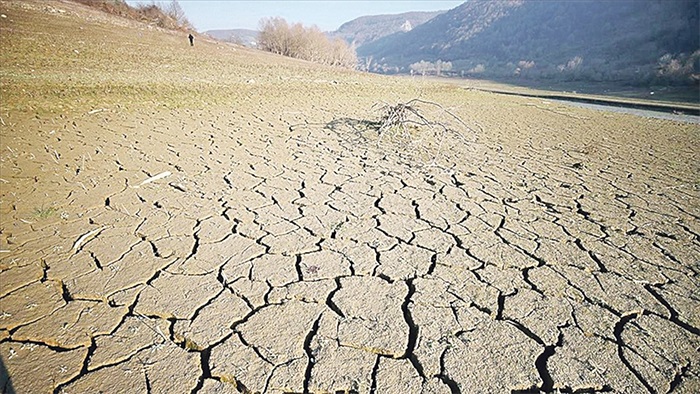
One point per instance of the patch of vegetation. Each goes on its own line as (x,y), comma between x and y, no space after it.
(192,345)
(44,213)
(168,16)
(306,43)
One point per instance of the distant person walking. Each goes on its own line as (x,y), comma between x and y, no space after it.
(191,37)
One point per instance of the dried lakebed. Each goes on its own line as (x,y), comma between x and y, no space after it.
(215,219)
(277,255)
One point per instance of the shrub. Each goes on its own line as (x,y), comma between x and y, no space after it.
(306,43)
(168,16)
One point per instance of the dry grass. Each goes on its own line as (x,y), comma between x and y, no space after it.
(107,62)
(151,14)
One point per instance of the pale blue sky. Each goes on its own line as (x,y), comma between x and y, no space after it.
(327,15)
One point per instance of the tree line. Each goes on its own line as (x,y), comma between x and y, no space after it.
(168,15)
(276,35)
(424,67)
(306,43)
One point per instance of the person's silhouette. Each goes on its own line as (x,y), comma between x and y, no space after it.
(191,37)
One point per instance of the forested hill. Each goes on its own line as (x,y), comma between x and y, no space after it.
(366,29)
(633,41)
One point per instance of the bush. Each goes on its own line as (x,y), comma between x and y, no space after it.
(679,68)
(306,43)
(168,16)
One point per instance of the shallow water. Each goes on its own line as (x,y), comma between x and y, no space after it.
(679,117)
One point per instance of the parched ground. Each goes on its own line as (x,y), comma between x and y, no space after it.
(214,219)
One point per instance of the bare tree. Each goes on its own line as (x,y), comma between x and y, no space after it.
(446,66)
(368,63)
(423,67)
(274,36)
(341,54)
(175,11)
(307,43)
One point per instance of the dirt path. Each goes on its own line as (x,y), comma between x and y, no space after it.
(279,244)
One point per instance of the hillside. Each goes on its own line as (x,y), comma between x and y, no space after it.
(357,32)
(642,42)
(217,219)
(366,29)
(245,37)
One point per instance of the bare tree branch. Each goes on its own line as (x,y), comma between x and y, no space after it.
(413,124)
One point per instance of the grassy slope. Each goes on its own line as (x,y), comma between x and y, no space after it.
(59,56)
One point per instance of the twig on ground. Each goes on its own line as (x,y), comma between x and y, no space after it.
(85,236)
(142,318)
(154,178)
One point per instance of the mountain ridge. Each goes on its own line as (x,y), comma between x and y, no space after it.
(358,31)
(369,28)
(633,41)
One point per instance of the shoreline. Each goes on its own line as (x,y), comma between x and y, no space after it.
(678,117)
(665,108)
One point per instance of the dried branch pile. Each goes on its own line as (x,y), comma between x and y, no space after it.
(418,125)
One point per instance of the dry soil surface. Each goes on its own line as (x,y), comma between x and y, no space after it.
(212,219)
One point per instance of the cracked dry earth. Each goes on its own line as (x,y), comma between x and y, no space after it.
(282,256)
(278,244)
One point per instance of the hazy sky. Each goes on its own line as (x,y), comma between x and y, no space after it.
(327,15)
